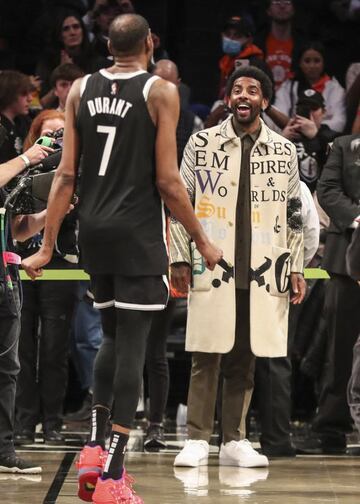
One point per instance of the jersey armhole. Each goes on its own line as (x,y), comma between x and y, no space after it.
(148,85)
(83,84)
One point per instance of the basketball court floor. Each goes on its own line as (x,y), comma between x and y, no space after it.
(300,480)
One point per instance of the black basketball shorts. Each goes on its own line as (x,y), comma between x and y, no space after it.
(147,293)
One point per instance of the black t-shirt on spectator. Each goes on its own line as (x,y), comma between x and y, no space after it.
(15,134)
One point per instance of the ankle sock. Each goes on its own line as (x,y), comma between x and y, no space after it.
(99,420)
(115,460)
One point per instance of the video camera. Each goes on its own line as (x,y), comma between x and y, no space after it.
(28,192)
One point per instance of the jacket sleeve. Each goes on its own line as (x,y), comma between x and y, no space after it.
(283,98)
(311,224)
(341,209)
(295,238)
(335,112)
(353,255)
(179,237)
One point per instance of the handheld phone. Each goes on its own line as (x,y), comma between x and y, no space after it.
(241,63)
(303,110)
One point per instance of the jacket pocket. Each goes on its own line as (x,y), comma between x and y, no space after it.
(201,275)
(280,272)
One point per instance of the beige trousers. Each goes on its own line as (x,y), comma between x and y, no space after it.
(237,368)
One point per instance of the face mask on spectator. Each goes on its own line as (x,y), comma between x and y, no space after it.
(230,46)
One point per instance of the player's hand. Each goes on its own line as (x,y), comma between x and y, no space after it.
(211,253)
(180,274)
(37,153)
(33,265)
(298,288)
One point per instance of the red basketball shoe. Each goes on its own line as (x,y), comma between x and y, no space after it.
(90,467)
(119,491)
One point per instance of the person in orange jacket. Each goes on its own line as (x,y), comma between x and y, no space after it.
(238,49)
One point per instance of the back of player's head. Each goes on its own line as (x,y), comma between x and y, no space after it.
(127,34)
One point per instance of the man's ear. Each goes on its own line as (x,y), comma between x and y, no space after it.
(265,104)
(109,47)
(149,44)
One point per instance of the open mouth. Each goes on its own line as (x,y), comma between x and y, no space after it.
(243,110)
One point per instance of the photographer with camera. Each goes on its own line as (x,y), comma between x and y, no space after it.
(23,227)
(310,135)
(46,318)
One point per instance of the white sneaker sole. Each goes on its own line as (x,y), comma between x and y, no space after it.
(16,470)
(226,461)
(188,463)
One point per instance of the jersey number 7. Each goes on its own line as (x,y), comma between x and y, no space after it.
(110,132)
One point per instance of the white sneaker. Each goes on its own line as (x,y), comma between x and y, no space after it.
(241,454)
(194,454)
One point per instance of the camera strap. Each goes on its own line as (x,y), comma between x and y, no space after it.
(8,280)
(11,257)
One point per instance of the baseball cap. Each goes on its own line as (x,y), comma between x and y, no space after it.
(311,98)
(241,25)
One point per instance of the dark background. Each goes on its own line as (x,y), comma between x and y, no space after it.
(189,30)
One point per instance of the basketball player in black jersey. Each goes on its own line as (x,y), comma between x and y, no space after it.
(120,125)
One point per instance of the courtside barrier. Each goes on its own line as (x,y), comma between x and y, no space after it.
(78,274)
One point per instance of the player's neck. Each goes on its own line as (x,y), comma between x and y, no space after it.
(128,64)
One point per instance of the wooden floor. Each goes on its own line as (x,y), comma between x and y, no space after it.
(304,479)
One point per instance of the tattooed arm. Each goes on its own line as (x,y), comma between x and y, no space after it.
(180,256)
(179,238)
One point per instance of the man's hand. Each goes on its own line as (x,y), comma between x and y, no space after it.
(291,130)
(65,58)
(180,274)
(33,264)
(211,253)
(306,126)
(37,153)
(298,288)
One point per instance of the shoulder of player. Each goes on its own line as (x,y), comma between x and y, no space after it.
(74,94)
(163,91)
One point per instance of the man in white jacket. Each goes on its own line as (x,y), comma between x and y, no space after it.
(244,183)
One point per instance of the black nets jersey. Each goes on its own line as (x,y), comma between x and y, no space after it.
(121,215)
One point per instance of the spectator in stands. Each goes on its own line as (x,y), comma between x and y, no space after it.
(310,73)
(15,98)
(338,193)
(238,49)
(188,123)
(279,41)
(310,136)
(46,317)
(61,80)
(68,43)
(103,14)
